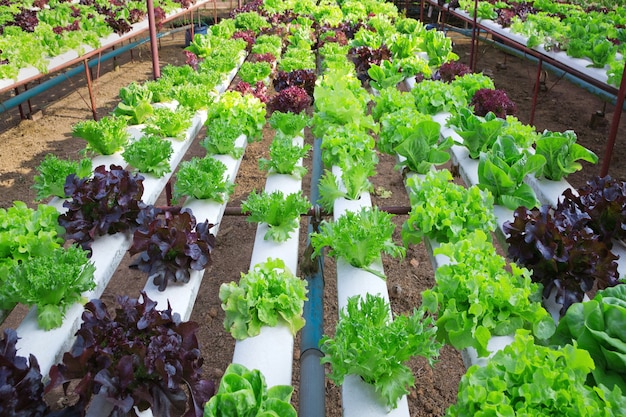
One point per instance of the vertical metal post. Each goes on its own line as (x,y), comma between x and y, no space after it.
(156,69)
(619,107)
(17,93)
(535,92)
(90,88)
(475,32)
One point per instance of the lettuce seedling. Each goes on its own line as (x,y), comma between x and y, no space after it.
(107,203)
(251,72)
(53,282)
(280,212)
(444,211)
(53,172)
(528,379)
(168,123)
(150,155)
(268,295)
(368,343)
(289,124)
(358,238)
(135,104)
(284,157)
(244,392)
(203,178)
(422,148)
(562,154)
(105,136)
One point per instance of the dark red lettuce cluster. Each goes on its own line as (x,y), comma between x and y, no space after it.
(303,78)
(266,57)
(259,90)
(142,357)
(364,56)
(496,101)
(291,99)
(107,203)
(170,244)
(448,71)
(561,249)
(247,35)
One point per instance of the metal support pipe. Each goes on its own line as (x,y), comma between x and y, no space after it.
(53,82)
(619,105)
(536,92)
(154,48)
(94,111)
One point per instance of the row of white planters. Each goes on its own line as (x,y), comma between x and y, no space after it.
(581,65)
(108,252)
(358,397)
(547,191)
(271,352)
(59,61)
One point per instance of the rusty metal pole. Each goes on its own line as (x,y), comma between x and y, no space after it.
(154,46)
(475,32)
(619,107)
(535,92)
(92,98)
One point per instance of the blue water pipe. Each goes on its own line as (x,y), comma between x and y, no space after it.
(52,82)
(312,399)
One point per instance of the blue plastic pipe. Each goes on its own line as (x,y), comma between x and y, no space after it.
(52,82)
(312,400)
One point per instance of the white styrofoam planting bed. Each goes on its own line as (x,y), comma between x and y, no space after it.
(359,398)
(182,296)
(469,355)
(108,252)
(53,63)
(271,352)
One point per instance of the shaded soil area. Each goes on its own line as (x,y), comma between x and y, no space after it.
(561,105)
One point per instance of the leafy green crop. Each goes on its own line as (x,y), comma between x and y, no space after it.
(52,282)
(475,297)
(562,154)
(243,392)
(106,136)
(368,343)
(221,137)
(168,123)
(397,125)
(26,233)
(280,212)
(444,211)
(54,171)
(390,100)
(502,171)
(384,75)
(289,124)
(422,148)
(251,21)
(268,295)
(596,326)
(251,72)
(203,178)
(354,178)
(150,154)
(479,133)
(525,379)
(135,104)
(358,238)
(432,97)
(245,113)
(284,157)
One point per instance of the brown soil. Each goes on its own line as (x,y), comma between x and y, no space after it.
(560,106)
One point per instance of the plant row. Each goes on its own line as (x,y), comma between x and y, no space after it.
(36,31)
(592,31)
